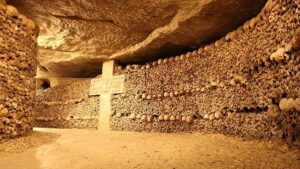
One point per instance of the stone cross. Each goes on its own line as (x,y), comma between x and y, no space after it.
(105,86)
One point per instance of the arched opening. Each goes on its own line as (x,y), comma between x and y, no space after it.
(42,84)
(46,84)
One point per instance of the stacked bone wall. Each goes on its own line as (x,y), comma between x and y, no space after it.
(67,105)
(245,84)
(18,50)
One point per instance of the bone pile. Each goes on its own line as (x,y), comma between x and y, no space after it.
(245,84)
(67,105)
(18,49)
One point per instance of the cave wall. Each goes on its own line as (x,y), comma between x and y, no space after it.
(18,50)
(67,105)
(245,84)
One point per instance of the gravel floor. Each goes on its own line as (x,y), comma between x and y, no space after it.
(86,149)
(22,144)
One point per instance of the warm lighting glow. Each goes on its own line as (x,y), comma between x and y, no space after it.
(50,42)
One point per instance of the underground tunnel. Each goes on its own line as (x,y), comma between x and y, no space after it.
(149,84)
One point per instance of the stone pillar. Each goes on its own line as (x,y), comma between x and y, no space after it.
(105,99)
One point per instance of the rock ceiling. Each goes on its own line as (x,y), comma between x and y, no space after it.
(76,36)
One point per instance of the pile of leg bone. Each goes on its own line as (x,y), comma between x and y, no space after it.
(67,105)
(245,84)
(18,49)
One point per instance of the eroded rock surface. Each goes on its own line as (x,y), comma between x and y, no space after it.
(78,35)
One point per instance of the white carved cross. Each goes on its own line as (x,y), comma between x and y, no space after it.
(106,86)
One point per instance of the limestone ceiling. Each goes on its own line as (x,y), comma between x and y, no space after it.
(76,36)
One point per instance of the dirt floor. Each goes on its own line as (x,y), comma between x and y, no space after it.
(85,149)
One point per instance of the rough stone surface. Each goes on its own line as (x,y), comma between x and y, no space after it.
(67,105)
(235,75)
(77,36)
(18,49)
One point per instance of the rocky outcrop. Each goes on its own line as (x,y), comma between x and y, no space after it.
(77,36)
(18,49)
